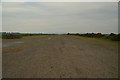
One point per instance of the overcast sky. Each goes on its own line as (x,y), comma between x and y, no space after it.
(0,17)
(61,17)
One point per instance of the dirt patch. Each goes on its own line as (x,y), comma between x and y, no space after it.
(12,50)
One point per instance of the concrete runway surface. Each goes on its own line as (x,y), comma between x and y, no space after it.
(59,56)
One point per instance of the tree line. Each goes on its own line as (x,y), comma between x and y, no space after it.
(111,36)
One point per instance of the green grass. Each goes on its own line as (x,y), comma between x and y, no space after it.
(115,37)
(18,36)
(100,41)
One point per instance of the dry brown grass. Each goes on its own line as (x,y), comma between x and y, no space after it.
(12,50)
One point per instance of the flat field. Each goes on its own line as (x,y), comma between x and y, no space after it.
(59,56)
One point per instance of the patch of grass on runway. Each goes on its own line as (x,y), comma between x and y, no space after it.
(99,41)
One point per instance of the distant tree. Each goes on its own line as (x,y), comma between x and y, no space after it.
(112,34)
(68,33)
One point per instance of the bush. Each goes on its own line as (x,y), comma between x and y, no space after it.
(112,36)
(98,35)
(11,36)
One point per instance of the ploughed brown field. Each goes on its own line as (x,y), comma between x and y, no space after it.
(59,56)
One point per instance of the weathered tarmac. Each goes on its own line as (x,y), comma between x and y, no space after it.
(59,56)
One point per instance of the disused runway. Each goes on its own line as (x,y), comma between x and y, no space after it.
(59,56)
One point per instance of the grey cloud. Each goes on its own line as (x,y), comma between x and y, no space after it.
(60,17)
